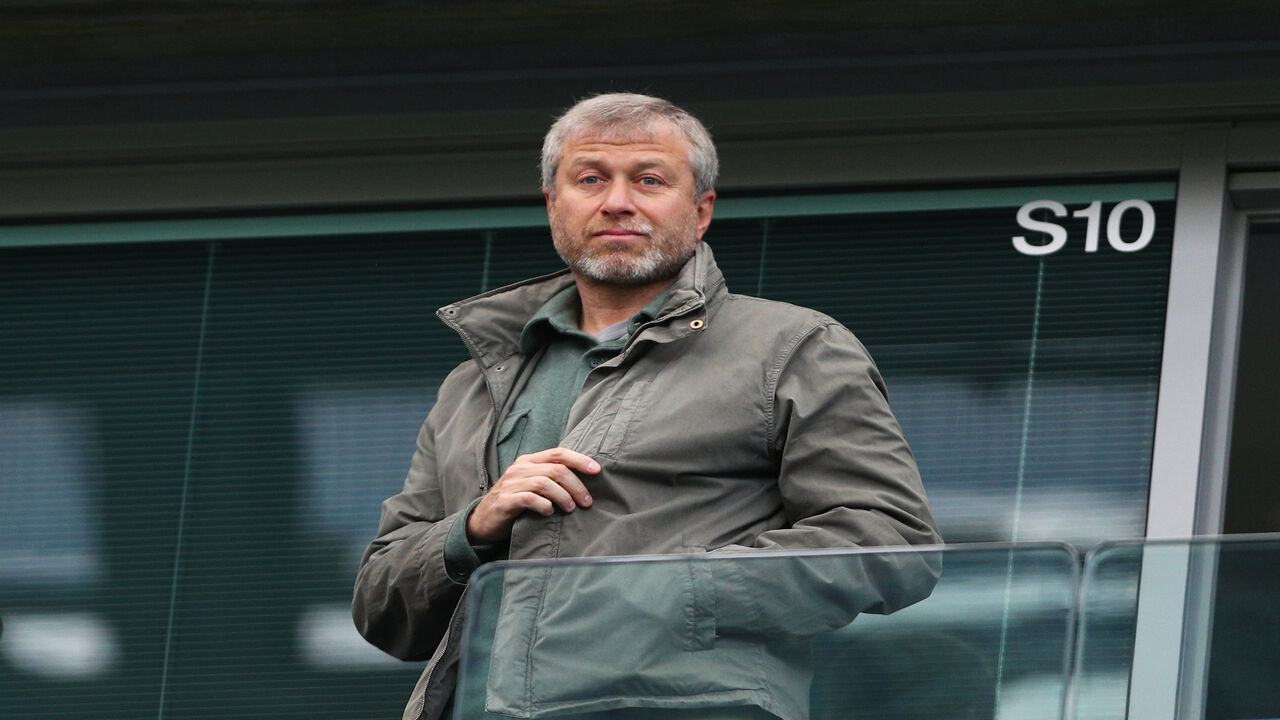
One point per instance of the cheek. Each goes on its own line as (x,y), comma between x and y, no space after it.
(571,214)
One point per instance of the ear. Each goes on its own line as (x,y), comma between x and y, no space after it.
(546,197)
(706,204)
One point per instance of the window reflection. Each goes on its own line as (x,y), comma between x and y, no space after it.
(968,440)
(327,640)
(357,443)
(48,533)
(60,646)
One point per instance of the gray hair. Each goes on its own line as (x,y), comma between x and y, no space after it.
(624,115)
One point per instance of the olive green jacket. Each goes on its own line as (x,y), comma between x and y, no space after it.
(729,423)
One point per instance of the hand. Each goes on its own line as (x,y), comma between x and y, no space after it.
(541,482)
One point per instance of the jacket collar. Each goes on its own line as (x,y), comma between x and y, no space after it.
(490,323)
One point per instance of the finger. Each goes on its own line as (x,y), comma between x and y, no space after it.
(535,502)
(550,489)
(564,478)
(569,458)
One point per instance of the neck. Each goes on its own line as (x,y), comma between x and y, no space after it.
(605,304)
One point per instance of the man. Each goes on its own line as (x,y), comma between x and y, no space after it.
(632,405)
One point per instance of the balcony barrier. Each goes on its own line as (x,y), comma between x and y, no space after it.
(1133,630)
(956,632)
(1184,629)
(1026,632)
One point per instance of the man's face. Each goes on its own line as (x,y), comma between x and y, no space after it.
(623,210)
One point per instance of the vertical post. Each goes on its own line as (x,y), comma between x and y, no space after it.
(1169,578)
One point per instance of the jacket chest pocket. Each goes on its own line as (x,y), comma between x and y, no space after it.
(510,437)
(606,429)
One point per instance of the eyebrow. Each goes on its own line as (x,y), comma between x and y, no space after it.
(595,161)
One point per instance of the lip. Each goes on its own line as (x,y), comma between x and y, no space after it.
(618,234)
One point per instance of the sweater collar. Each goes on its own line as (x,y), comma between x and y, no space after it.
(560,316)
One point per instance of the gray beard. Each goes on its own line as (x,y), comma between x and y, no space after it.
(662,258)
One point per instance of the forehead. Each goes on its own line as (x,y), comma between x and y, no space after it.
(661,143)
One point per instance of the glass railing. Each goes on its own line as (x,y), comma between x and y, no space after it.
(1178,630)
(959,632)
(1134,630)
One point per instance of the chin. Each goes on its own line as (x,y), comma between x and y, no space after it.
(632,271)
(611,268)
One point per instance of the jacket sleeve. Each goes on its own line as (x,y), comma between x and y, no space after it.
(403,597)
(848,480)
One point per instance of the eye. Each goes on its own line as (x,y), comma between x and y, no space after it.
(590,180)
(650,181)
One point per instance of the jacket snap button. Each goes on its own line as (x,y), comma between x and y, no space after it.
(696,324)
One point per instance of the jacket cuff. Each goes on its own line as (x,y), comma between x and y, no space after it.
(461,558)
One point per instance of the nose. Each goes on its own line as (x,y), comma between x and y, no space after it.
(618,200)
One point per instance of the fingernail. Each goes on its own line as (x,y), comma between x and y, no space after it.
(593,466)
(571,507)
(586,500)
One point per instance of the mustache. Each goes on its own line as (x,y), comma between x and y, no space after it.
(639,228)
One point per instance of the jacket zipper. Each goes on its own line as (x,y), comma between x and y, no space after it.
(493,402)
(448,640)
